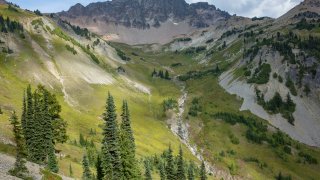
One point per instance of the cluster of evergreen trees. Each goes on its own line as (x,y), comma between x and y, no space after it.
(40,128)
(195,107)
(117,158)
(199,74)
(84,32)
(261,74)
(19,170)
(37,12)
(170,167)
(161,74)
(277,105)
(8,25)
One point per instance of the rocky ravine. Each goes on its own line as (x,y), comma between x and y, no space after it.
(180,128)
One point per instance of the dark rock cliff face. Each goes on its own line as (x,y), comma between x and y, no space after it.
(3,2)
(143,14)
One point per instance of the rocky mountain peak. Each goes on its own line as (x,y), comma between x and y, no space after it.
(143,14)
(3,2)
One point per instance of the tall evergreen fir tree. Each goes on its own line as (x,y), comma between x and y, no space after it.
(52,161)
(170,165)
(46,122)
(180,166)
(126,124)
(147,171)
(99,169)
(127,145)
(28,131)
(111,137)
(203,174)
(70,171)
(24,113)
(191,171)
(162,171)
(36,151)
(86,175)
(82,141)
(107,169)
(166,75)
(20,169)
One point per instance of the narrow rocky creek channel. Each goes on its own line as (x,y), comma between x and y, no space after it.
(180,128)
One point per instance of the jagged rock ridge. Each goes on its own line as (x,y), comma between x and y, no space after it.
(143,14)
(144,21)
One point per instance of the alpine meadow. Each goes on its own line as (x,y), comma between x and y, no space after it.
(159,89)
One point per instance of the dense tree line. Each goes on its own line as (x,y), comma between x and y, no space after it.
(261,74)
(169,104)
(8,25)
(161,74)
(42,126)
(40,129)
(170,167)
(195,50)
(122,55)
(19,170)
(199,74)
(308,25)
(117,158)
(84,32)
(277,105)
(37,12)
(195,107)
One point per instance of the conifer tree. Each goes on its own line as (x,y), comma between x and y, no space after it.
(170,165)
(127,145)
(180,166)
(147,172)
(86,175)
(24,113)
(82,141)
(154,73)
(106,162)
(36,151)
(99,168)
(166,76)
(203,175)
(191,171)
(70,171)
(20,168)
(28,131)
(162,171)
(111,137)
(47,135)
(52,161)
(126,124)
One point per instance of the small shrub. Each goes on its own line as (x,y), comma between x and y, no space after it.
(261,74)
(291,87)
(195,107)
(71,49)
(169,104)
(275,75)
